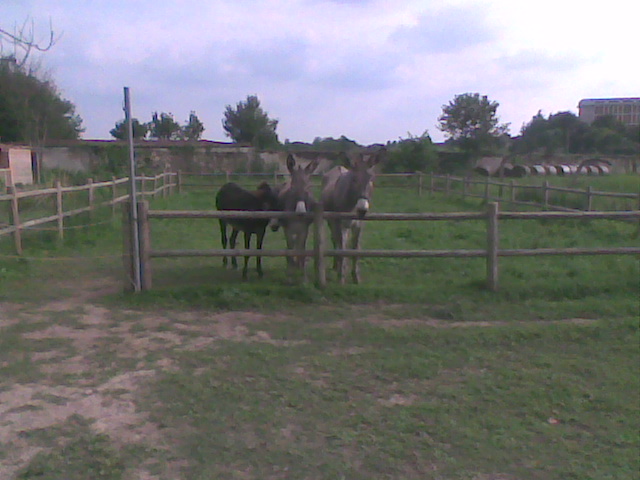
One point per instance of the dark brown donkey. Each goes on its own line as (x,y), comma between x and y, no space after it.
(349,190)
(233,197)
(295,196)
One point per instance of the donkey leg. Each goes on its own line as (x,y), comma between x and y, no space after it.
(232,245)
(342,265)
(291,245)
(247,244)
(334,227)
(259,240)
(223,237)
(356,230)
(302,242)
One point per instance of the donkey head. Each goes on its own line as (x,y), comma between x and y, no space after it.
(297,197)
(267,196)
(360,177)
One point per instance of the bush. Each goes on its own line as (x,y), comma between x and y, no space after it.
(414,154)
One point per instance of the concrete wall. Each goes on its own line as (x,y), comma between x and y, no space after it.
(202,157)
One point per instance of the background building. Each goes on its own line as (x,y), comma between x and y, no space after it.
(625,110)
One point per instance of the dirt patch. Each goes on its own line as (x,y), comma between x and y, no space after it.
(29,407)
(437,323)
(398,399)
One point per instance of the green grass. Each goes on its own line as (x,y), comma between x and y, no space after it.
(78,454)
(365,401)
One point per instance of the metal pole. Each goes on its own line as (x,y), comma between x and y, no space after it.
(137,283)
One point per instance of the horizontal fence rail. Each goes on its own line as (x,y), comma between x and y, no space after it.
(150,186)
(508,192)
(492,252)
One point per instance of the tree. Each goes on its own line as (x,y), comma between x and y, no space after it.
(31,109)
(413,154)
(193,129)
(471,123)
(22,42)
(247,122)
(164,127)
(565,132)
(120,131)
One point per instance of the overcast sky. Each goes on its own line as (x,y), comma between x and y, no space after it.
(372,70)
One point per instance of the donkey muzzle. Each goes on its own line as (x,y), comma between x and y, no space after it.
(301,207)
(362,207)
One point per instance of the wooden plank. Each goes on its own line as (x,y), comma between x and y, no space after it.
(371,216)
(565,215)
(534,252)
(327,253)
(395,253)
(39,221)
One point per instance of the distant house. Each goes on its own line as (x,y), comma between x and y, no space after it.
(18,165)
(625,110)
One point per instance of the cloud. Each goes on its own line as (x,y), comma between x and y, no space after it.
(450,30)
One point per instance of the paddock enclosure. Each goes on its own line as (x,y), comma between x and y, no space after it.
(482,235)
(26,209)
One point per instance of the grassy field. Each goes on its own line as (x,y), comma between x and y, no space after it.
(418,373)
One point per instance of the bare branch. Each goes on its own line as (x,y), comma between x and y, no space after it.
(23,39)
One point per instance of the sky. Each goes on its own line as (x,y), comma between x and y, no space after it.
(371,70)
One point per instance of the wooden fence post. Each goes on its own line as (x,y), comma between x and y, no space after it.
(179,182)
(15,219)
(127,247)
(144,236)
(492,246)
(113,196)
(91,197)
(545,193)
(486,190)
(319,247)
(155,186)
(512,185)
(589,198)
(59,210)
(164,184)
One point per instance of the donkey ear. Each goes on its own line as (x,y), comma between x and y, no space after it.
(291,163)
(344,160)
(377,157)
(309,169)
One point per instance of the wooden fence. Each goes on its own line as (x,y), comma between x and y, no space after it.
(492,252)
(161,184)
(485,188)
(508,192)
